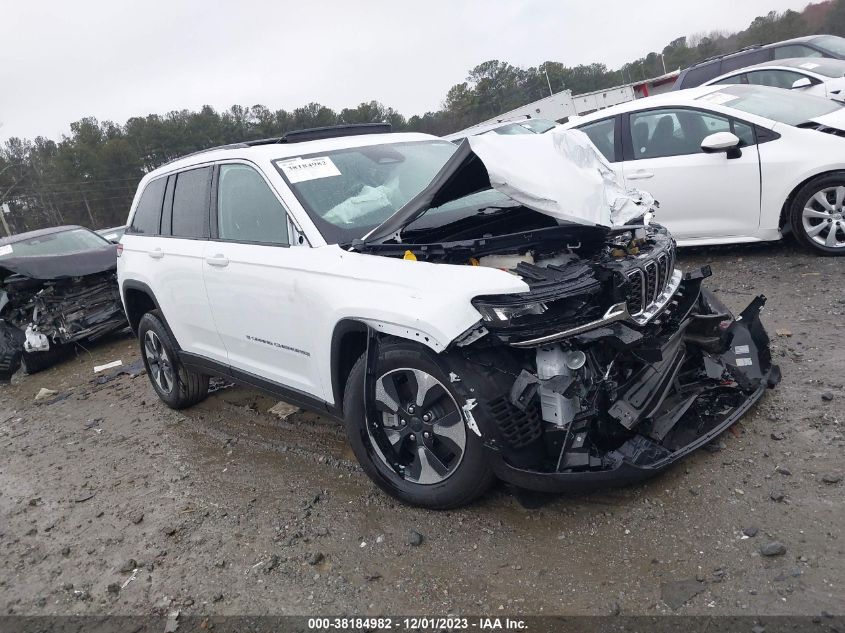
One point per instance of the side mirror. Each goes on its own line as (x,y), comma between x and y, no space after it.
(804,82)
(722,142)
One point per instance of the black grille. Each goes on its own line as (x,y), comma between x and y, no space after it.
(635,291)
(645,284)
(662,270)
(651,291)
(519,428)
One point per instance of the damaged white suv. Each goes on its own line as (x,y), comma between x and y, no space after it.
(496,309)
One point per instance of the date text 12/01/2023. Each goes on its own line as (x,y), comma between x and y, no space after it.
(417,623)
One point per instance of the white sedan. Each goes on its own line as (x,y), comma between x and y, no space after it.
(733,163)
(816,76)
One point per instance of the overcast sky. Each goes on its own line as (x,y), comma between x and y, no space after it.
(60,61)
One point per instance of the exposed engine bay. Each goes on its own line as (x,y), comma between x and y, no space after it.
(610,367)
(44,308)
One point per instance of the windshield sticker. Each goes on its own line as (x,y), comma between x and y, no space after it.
(302,169)
(6,250)
(809,66)
(719,98)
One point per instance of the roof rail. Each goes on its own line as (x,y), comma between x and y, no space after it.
(715,57)
(333,131)
(300,136)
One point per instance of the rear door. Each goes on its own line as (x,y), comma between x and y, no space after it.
(257,282)
(179,256)
(700,195)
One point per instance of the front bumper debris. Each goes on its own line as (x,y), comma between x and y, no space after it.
(40,316)
(665,414)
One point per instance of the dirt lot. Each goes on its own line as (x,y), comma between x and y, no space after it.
(112,503)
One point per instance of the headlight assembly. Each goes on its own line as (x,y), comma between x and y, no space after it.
(502,312)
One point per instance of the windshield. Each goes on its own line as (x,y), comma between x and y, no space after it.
(349,192)
(771,103)
(510,128)
(831,44)
(485,202)
(822,66)
(61,243)
(539,126)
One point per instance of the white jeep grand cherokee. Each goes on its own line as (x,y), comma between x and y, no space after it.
(496,309)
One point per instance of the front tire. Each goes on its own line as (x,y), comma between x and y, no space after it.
(177,386)
(422,430)
(817,214)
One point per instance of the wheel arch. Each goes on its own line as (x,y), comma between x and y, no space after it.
(138,299)
(349,342)
(784,223)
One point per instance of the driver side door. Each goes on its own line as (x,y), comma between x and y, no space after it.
(256,283)
(701,196)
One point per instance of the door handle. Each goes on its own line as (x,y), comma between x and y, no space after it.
(642,174)
(156,253)
(217,260)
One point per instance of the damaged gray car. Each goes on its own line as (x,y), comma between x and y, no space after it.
(58,287)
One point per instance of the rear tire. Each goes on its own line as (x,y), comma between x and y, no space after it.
(817,214)
(466,476)
(177,386)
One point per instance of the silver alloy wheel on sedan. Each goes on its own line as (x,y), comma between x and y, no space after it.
(823,217)
(158,362)
(422,423)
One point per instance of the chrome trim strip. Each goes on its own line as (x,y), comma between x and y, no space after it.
(662,299)
(616,312)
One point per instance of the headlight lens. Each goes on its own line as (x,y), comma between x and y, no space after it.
(502,313)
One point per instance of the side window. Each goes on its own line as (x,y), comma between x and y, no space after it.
(668,132)
(190,203)
(247,209)
(745,59)
(796,50)
(775,78)
(603,136)
(147,218)
(741,78)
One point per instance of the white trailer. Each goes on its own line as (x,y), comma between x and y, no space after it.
(562,105)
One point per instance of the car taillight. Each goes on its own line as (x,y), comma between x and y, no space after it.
(119,249)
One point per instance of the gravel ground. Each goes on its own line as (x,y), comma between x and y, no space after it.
(110,503)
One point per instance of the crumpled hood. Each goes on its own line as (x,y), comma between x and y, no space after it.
(559,173)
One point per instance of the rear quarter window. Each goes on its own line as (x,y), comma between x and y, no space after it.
(698,75)
(147,218)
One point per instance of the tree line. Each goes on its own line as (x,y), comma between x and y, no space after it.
(89,177)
